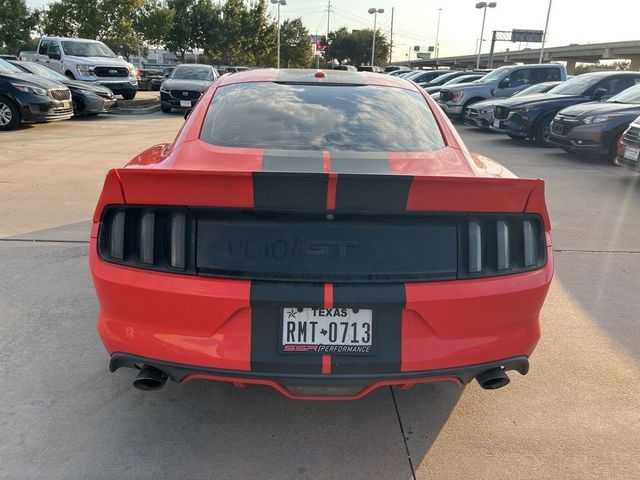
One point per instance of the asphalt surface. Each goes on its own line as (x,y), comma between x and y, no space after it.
(64,416)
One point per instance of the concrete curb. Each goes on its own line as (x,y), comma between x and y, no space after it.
(137,111)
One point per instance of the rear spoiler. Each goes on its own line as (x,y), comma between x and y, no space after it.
(372,193)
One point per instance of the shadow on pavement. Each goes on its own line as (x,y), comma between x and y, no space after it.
(65,416)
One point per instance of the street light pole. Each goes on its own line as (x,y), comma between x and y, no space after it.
(544,35)
(283,3)
(437,36)
(375,13)
(483,5)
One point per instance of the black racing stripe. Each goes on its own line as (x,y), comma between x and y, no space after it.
(308,161)
(388,193)
(360,162)
(387,302)
(290,190)
(267,301)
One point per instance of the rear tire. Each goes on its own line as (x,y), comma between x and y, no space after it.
(515,137)
(10,117)
(129,95)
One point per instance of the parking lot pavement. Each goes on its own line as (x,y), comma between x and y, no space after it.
(51,174)
(62,415)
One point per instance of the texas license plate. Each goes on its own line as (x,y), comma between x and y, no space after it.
(185,103)
(341,331)
(631,153)
(496,123)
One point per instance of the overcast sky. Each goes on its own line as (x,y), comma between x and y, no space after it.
(415,21)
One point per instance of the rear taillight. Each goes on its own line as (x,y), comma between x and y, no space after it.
(493,245)
(157,238)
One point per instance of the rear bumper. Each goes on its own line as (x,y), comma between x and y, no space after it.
(221,325)
(318,387)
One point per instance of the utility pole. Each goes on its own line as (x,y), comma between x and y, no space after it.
(328,15)
(544,35)
(438,37)
(391,42)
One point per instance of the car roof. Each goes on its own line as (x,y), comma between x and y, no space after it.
(605,73)
(72,39)
(342,77)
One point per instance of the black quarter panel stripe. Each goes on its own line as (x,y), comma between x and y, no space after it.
(267,300)
(379,193)
(360,162)
(387,302)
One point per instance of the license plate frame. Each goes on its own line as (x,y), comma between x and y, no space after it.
(185,103)
(631,153)
(316,346)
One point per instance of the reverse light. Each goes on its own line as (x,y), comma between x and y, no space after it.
(502,244)
(156,238)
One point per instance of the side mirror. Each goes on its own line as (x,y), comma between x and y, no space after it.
(504,83)
(54,56)
(187,113)
(599,93)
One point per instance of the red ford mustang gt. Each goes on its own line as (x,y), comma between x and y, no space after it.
(322,233)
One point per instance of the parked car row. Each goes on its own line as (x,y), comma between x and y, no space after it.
(31,93)
(593,113)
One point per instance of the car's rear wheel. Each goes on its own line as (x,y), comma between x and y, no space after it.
(542,134)
(9,115)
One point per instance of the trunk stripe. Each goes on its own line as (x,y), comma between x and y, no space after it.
(267,299)
(387,302)
(373,193)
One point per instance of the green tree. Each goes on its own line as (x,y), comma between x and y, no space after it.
(73,18)
(355,47)
(295,49)
(179,39)
(153,22)
(206,27)
(111,21)
(16,23)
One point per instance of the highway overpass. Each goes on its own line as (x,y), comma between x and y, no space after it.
(572,54)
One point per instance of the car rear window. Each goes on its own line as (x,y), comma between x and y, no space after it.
(321,117)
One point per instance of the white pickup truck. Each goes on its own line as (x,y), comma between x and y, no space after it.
(88,60)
